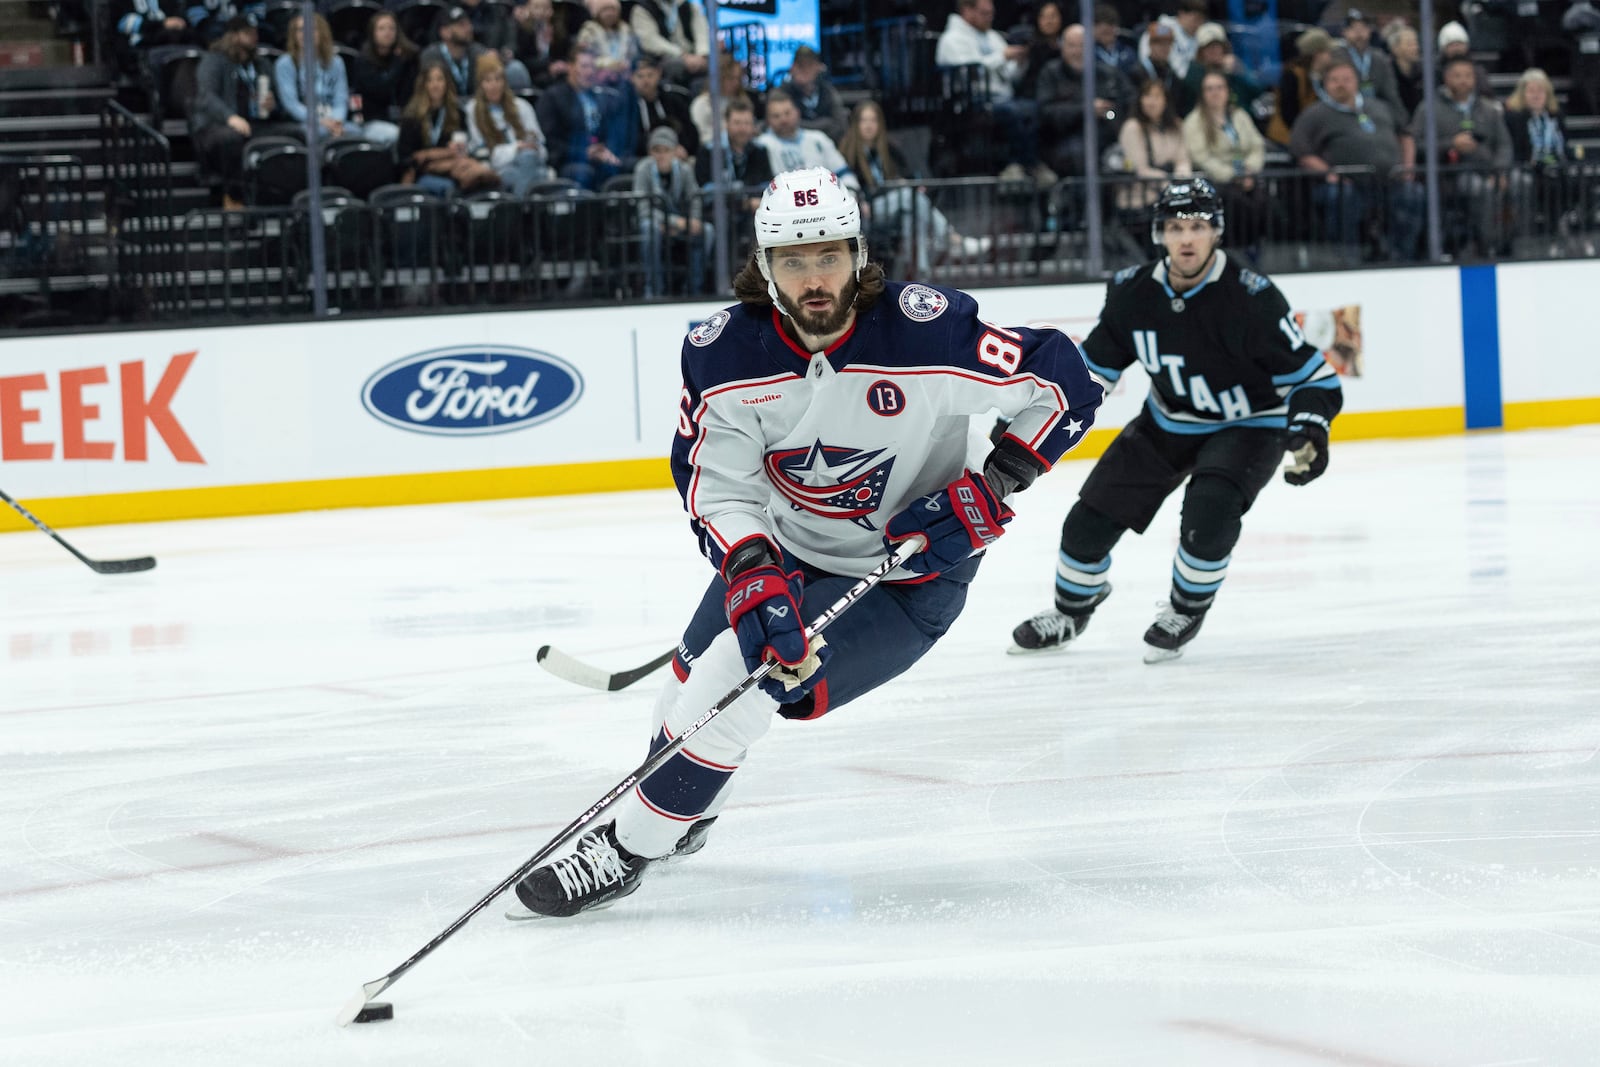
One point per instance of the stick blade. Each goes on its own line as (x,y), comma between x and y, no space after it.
(123,566)
(565,667)
(352,1008)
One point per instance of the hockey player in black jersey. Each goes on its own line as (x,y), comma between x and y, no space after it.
(1233,384)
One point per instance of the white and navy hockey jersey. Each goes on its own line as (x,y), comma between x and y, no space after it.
(1226,353)
(818,450)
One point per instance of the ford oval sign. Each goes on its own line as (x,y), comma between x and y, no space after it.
(472,389)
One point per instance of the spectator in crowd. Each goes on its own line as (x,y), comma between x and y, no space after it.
(970,38)
(490,27)
(1044,44)
(1343,131)
(146,24)
(1214,53)
(586,131)
(1582,21)
(1544,185)
(652,109)
(540,43)
(1405,50)
(748,167)
(385,73)
(791,147)
(455,50)
(1155,58)
(332,103)
(808,86)
(670,213)
(1153,150)
(1226,147)
(433,139)
(1061,104)
(1376,69)
(1301,83)
(1110,49)
(230,106)
(611,39)
(1471,135)
(677,34)
(1454,42)
(1191,15)
(904,213)
(502,129)
(731,87)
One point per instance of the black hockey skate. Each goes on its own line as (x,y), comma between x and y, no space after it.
(1051,630)
(692,841)
(1170,632)
(600,873)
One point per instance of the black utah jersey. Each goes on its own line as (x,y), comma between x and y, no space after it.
(1226,353)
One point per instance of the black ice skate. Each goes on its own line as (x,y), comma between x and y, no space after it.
(597,875)
(1051,630)
(1170,632)
(692,841)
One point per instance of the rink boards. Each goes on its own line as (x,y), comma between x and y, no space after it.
(165,424)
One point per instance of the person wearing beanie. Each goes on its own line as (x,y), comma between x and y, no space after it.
(670,214)
(1453,41)
(1375,69)
(1215,54)
(1301,82)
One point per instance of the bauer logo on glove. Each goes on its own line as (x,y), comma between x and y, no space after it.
(964,517)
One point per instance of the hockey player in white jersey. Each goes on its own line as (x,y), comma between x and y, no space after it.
(823,419)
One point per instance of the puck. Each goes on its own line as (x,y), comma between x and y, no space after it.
(377,1011)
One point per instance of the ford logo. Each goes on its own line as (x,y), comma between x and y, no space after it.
(472,389)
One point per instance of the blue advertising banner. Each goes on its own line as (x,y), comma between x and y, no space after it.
(763,34)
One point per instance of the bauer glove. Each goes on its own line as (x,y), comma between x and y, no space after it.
(1308,445)
(763,608)
(962,518)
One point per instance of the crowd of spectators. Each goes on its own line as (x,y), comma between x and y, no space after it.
(622,102)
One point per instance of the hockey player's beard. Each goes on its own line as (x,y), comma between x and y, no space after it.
(821,323)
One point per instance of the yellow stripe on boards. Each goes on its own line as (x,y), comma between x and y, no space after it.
(1539,414)
(625,475)
(376,491)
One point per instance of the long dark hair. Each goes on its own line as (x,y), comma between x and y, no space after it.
(1167,121)
(750,286)
(854,149)
(404,48)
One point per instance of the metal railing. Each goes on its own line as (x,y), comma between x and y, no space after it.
(46,247)
(138,204)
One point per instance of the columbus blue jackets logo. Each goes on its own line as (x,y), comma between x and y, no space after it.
(709,330)
(922,304)
(830,480)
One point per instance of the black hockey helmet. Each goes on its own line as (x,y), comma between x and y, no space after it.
(1187,198)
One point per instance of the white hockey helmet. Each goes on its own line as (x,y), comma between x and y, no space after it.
(802,207)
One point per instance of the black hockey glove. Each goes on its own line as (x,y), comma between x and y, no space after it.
(763,606)
(960,519)
(1308,444)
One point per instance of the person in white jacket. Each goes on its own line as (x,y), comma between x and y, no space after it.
(503,129)
(792,147)
(1185,25)
(970,38)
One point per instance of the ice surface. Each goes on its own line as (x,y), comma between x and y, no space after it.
(1358,823)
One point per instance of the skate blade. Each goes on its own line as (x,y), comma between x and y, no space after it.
(521,913)
(1161,655)
(1018,650)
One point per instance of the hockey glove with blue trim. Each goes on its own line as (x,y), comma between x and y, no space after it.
(763,607)
(965,516)
(1308,444)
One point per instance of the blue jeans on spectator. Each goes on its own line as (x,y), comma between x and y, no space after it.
(1019,121)
(589,175)
(658,246)
(1344,205)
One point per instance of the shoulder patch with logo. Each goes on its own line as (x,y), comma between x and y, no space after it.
(922,304)
(1253,283)
(709,330)
(1125,274)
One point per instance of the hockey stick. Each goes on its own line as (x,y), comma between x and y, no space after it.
(99,566)
(565,667)
(363,997)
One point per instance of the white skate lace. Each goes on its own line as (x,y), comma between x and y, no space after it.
(1050,625)
(595,865)
(1172,620)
